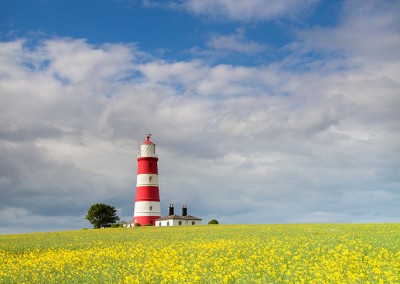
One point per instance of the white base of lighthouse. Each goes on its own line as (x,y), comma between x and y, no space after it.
(146,209)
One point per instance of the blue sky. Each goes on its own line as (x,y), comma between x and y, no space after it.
(262,111)
(172,33)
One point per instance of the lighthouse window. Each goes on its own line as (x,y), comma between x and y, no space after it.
(151,208)
(150,178)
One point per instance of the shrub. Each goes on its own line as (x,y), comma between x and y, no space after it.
(117,225)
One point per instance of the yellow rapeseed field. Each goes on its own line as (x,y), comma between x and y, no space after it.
(306,253)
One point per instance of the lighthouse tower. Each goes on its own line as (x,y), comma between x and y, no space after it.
(147,202)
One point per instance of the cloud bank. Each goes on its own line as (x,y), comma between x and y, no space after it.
(313,137)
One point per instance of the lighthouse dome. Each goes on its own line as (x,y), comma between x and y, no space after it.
(148,140)
(148,148)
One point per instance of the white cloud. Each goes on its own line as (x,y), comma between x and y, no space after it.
(367,34)
(78,61)
(236,43)
(251,10)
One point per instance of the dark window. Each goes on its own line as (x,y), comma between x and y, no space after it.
(193,222)
(151,208)
(180,222)
(167,223)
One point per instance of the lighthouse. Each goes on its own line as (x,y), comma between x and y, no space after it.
(147,202)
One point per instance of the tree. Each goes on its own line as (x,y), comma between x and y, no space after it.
(213,222)
(101,214)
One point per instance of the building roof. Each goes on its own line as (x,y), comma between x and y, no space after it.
(178,217)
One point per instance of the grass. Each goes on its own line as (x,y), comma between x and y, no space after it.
(302,253)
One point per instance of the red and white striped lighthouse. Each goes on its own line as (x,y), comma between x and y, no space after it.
(147,202)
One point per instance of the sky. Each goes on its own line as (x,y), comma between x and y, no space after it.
(263,112)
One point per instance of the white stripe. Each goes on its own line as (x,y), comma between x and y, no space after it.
(147,179)
(147,208)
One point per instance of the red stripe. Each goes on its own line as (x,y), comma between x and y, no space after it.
(147,193)
(147,165)
(145,220)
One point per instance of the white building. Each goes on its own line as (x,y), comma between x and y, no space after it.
(177,220)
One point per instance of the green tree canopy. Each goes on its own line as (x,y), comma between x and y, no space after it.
(213,221)
(100,214)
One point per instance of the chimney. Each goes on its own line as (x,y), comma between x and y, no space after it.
(184,210)
(171,209)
